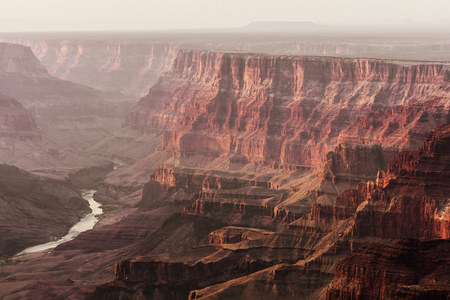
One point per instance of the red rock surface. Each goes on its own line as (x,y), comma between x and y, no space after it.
(132,63)
(278,110)
(263,111)
(232,234)
(410,269)
(374,212)
(352,161)
(410,199)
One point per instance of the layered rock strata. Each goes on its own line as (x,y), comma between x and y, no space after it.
(232,234)
(413,188)
(281,110)
(410,269)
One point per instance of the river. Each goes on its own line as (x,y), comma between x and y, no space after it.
(86,223)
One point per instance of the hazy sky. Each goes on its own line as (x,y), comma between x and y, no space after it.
(62,15)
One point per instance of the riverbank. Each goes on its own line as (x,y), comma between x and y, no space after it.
(86,223)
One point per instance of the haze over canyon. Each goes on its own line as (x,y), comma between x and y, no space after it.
(273,161)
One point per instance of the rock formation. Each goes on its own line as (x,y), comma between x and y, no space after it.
(131,65)
(409,269)
(281,111)
(253,141)
(410,199)
(413,188)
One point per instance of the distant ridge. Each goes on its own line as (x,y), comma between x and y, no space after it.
(280,26)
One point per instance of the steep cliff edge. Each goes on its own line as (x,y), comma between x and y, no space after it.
(278,110)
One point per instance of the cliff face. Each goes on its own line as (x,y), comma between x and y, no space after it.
(227,196)
(353,161)
(206,265)
(410,199)
(403,126)
(410,269)
(26,79)
(276,110)
(232,234)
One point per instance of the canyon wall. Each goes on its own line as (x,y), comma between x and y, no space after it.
(283,111)
(382,272)
(409,199)
(25,78)
(130,68)
(131,65)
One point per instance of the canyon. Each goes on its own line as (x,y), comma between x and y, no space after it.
(236,175)
(54,121)
(130,63)
(315,243)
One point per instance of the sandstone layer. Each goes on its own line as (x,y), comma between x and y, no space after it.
(132,64)
(282,111)
(413,188)
(410,269)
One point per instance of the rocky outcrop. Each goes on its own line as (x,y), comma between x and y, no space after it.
(276,110)
(243,212)
(232,197)
(185,271)
(404,126)
(410,269)
(353,162)
(19,59)
(232,234)
(26,79)
(168,180)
